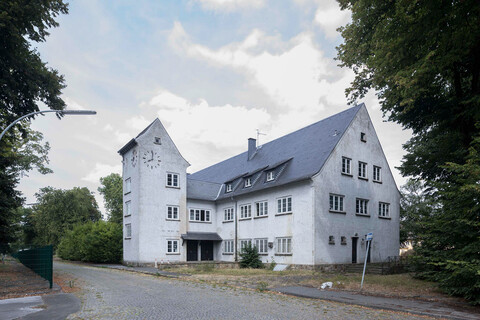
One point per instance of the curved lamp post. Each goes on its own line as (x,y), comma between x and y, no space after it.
(58,112)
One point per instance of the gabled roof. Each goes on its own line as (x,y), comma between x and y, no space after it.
(303,153)
(132,143)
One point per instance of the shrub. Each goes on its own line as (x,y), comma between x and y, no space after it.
(93,242)
(250,258)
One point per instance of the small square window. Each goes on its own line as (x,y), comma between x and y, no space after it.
(343,240)
(270,176)
(228,247)
(284,205)
(361,207)
(172,247)
(172,213)
(336,203)
(248,182)
(284,246)
(157,140)
(262,245)
(172,180)
(245,211)
(363,137)
(261,209)
(331,240)
(228,188)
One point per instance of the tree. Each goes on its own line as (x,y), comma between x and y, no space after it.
(249,258)
(25,80)
(60,210)
(112,191)
(423,60)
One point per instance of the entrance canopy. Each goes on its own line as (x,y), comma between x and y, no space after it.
(202,236)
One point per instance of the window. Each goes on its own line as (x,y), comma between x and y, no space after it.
(172,213)
(199,215)
(361,206)
(384,210)
(336,203)
(228,188)
(245,243)
(261,209)
(246,211)
(284,246)
(248,182)
(172,180)
(284,205)
(228,214)
(128,185)
(157,140)
(331,240)
(270,176)
(343,240)
(172,246)
(262,245)
(377,174)
(362,170)
(128,231)
(128,208)
(363,137)
(346,165)
(228,247)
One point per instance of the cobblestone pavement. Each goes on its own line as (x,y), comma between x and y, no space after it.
(113,294)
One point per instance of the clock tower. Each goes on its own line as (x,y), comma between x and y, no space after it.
(154,199)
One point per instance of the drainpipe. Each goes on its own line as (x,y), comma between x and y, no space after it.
(236,231)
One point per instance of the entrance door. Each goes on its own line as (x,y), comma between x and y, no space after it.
(207,250)
(192,250)
(354,249)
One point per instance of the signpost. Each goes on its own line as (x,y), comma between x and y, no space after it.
(369,238)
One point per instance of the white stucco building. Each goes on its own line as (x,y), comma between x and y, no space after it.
(307,198)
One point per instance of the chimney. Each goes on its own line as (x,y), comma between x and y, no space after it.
(252,147)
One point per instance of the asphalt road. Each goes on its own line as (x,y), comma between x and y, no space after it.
(113,294)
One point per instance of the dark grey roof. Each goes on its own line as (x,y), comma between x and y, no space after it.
(211,236)
(305,151)
(202,190)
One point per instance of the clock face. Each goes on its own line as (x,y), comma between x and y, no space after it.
(151,159)
(134,158)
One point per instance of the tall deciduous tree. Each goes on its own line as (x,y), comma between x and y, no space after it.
(112,191)
(58,211)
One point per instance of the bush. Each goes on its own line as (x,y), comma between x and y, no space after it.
(250,258)
(93,242)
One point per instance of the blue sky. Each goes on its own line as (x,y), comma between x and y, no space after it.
(213,71)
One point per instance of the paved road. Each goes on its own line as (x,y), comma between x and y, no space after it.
(113,294)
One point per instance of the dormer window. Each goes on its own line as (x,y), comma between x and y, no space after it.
(248,182)
(270,176)
(228,188)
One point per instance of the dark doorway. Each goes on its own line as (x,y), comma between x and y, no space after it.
(192,250)
(207,250)
(354,249)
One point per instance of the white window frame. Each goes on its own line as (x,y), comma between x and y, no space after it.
(283,246)
(248,182)
(261,209)
(228,187)
(384,210)
(172,176)
(262,245)
(270,176)
(228,246)
(362,170)
(128,185)
(174,210)
(243,243)
(229,214)
(195,215)
(284,205)
(377,173)
(128,208)
(245,211)
(128,231)
(173,246)
(347,166)
(361,207)
(336,203)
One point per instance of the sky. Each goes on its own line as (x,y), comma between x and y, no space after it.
(212,71)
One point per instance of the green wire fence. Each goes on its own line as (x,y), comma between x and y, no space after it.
(39,260)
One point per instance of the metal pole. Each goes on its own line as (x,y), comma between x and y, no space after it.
(58,112)
(365,263)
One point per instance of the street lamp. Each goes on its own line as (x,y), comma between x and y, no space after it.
(58,112)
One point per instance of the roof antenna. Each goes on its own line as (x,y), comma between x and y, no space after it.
(258,138)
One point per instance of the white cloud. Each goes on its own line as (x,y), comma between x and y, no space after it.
(329,17)
(101,170)
(294,74)
(230,5)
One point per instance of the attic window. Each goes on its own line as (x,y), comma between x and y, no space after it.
(343,240)
(157,140)
(228,188)
(331,240)
(363,136)
(270,176)
(248,182)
